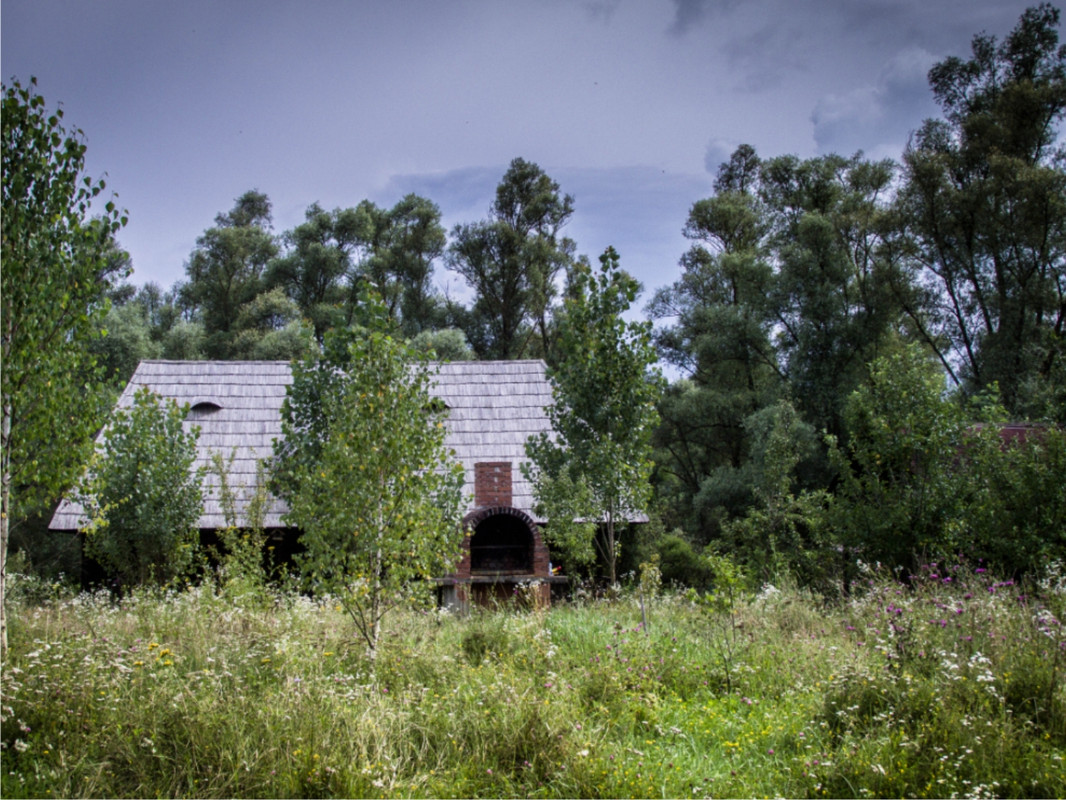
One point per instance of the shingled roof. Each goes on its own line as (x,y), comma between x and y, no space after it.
(494,406)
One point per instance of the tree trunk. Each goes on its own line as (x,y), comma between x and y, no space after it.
(612,549)
(5,515)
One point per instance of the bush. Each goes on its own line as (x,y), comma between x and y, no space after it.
(141,495)
(679,562)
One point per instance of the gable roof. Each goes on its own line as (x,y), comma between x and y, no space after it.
(494,406)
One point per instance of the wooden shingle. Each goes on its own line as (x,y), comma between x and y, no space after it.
(494,407)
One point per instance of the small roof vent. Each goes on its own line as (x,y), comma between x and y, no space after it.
(205,407)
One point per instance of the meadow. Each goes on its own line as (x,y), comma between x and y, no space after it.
(951,685)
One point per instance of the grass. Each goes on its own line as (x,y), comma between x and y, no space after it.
(950,686)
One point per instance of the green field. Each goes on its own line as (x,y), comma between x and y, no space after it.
(952,686)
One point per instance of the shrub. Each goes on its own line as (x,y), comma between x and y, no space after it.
(141,495)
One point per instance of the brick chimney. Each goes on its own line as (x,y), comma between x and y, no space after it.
(492,484)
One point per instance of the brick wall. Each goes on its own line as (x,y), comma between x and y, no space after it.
(492,484)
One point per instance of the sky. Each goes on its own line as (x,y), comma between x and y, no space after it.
(630,105)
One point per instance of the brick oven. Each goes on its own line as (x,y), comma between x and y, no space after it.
(503,548)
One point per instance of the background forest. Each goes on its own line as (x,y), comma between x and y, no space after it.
(844,342)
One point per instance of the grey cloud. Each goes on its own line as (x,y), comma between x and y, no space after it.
(718,153)
(601,10)
(877,118)
(688,13)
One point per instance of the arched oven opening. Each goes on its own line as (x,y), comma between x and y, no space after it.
(501,544)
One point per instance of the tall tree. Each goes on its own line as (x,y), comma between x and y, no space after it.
(55,274)
(512,260)
(788,291)
(834,300)
(591,474)
(985,203)
(415,239)
(363,467)
(316,269)
(720,337)
(225,270)
(270,328)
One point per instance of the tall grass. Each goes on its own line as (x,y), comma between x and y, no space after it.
(950,686)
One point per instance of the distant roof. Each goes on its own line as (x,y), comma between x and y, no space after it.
(494,406)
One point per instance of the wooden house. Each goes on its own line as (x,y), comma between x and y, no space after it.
(493,408)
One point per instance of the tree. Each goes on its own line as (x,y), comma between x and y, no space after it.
(833,298)
(226,268)
(984,200)
(269,328)
(511,262)
(788,291)
(783,530)
(447,344)
(721,338)
(142,496)
(54,278)
(317,269)
(367,477)
(899,491)
(927,476)
(400,267)
(593,470)
(125,341)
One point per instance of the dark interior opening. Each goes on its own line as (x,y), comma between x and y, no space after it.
(501,543)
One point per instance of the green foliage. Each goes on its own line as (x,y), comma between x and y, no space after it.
(680,563)
(593,470)
(201,694)
(185,341)
(368,480)
(269,328)
(56,269)
(899,490)
(511,261)
(406,240)
(448,344)
(142,496)
(241,562)
(783,531)
(924,477)
(786,292)
(721,605)
(225,269)
(1014,506)
(984,204)
(317,264)
(126,341)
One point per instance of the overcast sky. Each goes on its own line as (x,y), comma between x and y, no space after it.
(630,105)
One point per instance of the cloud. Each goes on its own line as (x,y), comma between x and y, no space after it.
(689,13)
(878,117)
(601,10)
(718,153)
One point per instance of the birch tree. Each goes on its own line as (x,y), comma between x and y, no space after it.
(367,476)
(591,474)
(54,277)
